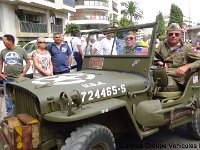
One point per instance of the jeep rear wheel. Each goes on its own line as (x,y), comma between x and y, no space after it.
(90,137)
(194,127)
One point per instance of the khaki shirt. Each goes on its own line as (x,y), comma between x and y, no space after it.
(176,57)
(128,51)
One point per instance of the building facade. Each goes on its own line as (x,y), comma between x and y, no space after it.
(192,34)
(95,14)
(29,19)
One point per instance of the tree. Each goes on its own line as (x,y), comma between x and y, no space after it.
(161,27)
(71,28)
(133,11)
(124,22)
(176,15)
(113,22)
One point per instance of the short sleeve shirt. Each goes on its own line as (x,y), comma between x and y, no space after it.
(76,41)
(13,61)
(43,61)
(59,57)
(106,46)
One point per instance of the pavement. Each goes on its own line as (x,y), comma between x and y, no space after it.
(2,106)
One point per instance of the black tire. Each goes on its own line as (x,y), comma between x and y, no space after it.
(194,127)
(90,137)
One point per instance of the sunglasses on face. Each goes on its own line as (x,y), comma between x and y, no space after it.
(41,42)
(129,38)
(171,34)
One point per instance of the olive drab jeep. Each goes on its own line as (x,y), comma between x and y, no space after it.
(112,94)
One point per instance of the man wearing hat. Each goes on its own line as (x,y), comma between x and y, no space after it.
(174,51)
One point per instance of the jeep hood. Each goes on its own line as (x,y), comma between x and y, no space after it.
(92,86)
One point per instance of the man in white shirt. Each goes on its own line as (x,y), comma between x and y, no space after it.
(106,45)
(94,50)
(78,52)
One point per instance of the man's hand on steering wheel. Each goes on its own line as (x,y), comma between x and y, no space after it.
(162,64)
(160,61)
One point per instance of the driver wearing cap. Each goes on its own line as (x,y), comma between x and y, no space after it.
(174,52)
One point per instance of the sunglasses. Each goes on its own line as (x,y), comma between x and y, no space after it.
(41,42)
(129,38)
(171,34)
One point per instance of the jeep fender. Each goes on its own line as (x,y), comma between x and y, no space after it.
(87,111)
(147,113)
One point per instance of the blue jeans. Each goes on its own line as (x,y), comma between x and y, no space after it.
(8,101)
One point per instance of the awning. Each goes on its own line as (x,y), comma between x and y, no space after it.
(31,8)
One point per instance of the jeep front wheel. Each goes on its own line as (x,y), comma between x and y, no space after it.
(90,137)
(194,127)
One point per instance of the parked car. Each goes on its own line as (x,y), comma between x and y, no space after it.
(1,45)
(31,46)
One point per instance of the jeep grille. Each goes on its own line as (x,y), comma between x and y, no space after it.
(23,101)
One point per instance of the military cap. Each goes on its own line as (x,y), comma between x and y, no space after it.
(174,26)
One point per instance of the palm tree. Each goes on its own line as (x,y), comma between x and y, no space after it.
(124,22)
(133,11)
(70,28)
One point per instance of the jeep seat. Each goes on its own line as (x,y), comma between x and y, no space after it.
(161,80)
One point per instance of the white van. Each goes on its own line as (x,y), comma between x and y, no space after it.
(31,46)
(2,46)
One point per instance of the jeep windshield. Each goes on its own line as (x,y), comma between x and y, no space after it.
(106,47)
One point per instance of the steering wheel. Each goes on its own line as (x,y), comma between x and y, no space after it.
(159,58)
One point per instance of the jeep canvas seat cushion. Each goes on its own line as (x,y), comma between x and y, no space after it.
(169,94)
(161,79)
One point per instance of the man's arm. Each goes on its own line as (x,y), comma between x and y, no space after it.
(26,68)
(2,75)
(194,65)
(70,60)
(80,50)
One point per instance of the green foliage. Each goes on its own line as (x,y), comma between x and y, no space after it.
(70,28)
(161,37)
(124,22)
(161,27)
(21,43)
(176,15)
(113,22)
(133,11)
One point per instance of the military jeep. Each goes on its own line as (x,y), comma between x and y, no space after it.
(113,94)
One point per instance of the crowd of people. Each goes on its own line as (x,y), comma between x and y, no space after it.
(57,57)
(106,44)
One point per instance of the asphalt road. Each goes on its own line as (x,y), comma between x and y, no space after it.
(177,139)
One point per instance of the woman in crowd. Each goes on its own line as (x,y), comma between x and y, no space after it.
(42,60)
